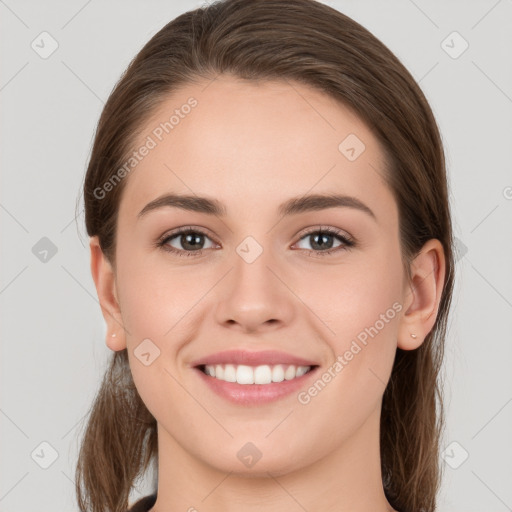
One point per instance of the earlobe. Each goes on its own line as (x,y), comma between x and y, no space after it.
(422,295)
(104,280)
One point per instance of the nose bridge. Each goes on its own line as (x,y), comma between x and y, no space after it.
(254,294)
(252,275)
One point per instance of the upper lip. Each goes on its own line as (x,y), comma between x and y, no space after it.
(252,358)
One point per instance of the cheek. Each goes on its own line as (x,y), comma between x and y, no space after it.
(363,313)
(359,307)
(154,297)
(350,298)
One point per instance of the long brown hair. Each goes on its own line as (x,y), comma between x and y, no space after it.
(311,43)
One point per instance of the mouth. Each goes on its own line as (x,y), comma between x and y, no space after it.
(254,378)
(260,375)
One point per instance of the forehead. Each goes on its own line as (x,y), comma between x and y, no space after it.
(254,145)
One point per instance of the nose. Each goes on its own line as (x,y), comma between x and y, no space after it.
(255,296)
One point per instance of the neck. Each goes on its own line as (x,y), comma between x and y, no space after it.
(348,479)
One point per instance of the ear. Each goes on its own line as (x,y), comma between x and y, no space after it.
(104,279)
(422,295)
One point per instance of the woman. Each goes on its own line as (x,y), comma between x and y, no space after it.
(290,361)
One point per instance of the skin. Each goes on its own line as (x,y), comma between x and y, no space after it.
(253,146)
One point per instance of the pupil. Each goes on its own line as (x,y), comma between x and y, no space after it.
(322,244)
(192,240)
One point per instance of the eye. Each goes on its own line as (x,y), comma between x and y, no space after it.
(322,239)
(190,242)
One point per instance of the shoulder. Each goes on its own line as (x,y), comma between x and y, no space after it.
(144,504)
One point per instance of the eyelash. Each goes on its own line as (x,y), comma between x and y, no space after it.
(162,242)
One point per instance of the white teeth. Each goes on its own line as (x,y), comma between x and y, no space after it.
(290,372)
(244,375)
(301,370)
(229,373)
(264,374)
(277,373)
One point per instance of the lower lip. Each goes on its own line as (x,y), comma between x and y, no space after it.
(255,394)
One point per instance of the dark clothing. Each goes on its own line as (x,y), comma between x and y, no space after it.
(144,504)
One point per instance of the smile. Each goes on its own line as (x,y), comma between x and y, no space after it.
(263,374)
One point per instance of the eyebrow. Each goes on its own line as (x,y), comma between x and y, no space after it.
(293,206)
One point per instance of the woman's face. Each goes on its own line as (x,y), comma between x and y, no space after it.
(263,280)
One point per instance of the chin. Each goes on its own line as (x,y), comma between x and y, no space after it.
(250,462)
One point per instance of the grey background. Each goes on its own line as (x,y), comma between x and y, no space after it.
(53,351)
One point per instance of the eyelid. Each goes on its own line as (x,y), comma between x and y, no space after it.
(184,229)
(325,229)
(347,240)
